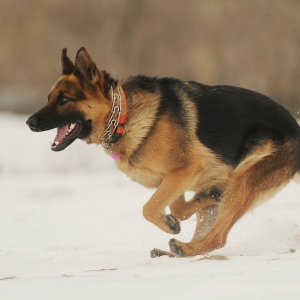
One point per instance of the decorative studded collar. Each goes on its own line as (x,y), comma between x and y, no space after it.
(118,116)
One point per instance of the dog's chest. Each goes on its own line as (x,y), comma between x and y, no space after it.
(143,176)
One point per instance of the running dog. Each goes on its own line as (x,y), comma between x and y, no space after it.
(232,147)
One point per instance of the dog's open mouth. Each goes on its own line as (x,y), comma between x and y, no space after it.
(66,135)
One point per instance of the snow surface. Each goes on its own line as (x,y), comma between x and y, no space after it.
(71,227)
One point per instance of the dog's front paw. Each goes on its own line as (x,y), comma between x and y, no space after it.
(173,224)
(158,253)
(175,248)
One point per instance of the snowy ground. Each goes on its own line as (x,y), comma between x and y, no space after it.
(71,227)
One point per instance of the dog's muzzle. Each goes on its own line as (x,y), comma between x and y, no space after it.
(37,123)
(33,123)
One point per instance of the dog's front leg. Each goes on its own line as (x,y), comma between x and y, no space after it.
(172,186)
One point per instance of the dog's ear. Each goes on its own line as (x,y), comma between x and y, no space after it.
(85,68)
(66,64)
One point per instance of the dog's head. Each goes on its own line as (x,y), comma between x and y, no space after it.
(78,104)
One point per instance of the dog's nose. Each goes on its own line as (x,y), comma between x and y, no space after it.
(32,123)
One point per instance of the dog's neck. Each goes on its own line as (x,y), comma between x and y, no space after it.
(118,116)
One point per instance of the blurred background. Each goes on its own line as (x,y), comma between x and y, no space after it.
(254,44)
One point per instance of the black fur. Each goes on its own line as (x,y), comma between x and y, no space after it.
(171,100)
(232,121)
(108,83)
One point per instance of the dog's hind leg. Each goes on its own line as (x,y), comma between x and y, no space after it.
(203,204)
(205,220)
(207,215)
(183,210)
(268,168)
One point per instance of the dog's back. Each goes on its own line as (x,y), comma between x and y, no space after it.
(233,120)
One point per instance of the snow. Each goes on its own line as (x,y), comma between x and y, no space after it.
(71,227)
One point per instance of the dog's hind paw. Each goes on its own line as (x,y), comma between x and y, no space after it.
(173,224)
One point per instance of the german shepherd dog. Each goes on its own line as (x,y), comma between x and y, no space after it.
(232,147)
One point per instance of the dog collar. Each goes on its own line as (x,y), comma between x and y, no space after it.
(117,119)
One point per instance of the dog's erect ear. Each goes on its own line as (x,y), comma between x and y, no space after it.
(66,64)
(85,68)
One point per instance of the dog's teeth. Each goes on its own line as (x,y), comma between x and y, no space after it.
(72,126)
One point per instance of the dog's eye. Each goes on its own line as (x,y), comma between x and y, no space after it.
(64,100)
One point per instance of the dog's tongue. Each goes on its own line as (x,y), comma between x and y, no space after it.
(61,133)
(65,136)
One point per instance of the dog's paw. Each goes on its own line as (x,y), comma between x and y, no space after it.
(176,249)
(158,253)
(173,224)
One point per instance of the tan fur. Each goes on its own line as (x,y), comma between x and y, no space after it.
(183,210)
